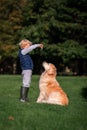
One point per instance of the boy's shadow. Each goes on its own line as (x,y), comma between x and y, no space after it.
(84,92)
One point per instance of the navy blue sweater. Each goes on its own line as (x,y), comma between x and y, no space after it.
(25,61)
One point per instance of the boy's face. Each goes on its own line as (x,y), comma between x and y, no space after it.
(25,44)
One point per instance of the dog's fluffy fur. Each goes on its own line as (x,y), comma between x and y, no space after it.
(50,90)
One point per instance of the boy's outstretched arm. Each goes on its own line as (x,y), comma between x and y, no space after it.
(30,48)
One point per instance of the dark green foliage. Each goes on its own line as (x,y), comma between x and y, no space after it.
(10,23)
(52,22)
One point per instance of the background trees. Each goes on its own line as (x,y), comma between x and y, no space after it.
(61,25)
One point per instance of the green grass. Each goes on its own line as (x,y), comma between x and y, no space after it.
(33,116)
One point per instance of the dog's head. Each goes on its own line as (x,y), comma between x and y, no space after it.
(50,69)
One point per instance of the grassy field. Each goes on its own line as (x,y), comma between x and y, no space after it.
(15,115)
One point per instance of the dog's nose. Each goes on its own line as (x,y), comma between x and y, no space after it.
(44,63)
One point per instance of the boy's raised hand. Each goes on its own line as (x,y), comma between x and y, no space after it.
(41,46)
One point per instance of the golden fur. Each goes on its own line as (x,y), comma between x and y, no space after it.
(50,90)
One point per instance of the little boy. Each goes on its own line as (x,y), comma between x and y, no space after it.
(26,66)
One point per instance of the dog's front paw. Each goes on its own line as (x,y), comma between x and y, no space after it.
(38,101)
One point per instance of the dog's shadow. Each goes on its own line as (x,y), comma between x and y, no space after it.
(84,92)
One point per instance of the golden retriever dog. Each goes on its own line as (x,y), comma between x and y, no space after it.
(50,90)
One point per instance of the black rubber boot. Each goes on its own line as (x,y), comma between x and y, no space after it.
(24,94)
